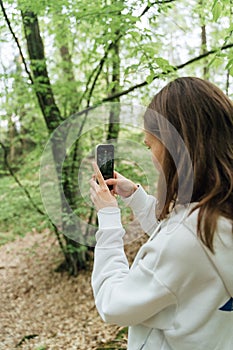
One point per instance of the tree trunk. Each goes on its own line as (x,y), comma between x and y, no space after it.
(12,138)
(204,43)
(75,259)
(72,105)
(42,83)
(114,117)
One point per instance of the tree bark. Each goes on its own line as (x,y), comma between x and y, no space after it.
(75,257)
(72,104)
(114,117)
(12,138)
(204,42)
(42,83)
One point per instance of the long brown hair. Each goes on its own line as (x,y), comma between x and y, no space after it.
(203,117)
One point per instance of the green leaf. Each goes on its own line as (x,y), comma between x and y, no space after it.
(229,67)
(217,10)
(150,77)
(230,29)
(229,64)
(132,68)
(164,64)
(161,62)
(231,71)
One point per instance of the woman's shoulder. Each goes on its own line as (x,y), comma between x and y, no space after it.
(179,228)
(178,235)
(175,243)
(176,254)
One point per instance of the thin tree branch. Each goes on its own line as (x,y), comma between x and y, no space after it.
(87,84)
(98,70)
(175,68)
(12,173)
(147,8)
(17,42)
(5,153)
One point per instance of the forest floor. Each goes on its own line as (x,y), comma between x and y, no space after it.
(45,310)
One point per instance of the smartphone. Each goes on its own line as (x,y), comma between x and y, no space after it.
(105,161)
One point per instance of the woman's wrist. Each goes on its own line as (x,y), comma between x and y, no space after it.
(134,189)
(109,217)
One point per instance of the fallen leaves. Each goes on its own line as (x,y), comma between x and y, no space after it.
(45,310)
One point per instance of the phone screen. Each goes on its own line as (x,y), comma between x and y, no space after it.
(105,160)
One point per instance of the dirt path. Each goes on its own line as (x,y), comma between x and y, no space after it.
(42,309)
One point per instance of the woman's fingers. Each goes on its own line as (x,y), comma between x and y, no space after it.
(100,194)
(98,175)
(93,183)
(111,181)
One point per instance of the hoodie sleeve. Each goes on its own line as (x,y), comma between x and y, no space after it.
(124,296)
(143,206)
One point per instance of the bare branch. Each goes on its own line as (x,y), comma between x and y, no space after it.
(18,181)
(12,173)
(98,70)
(17,42)
(87,84)
(147,8)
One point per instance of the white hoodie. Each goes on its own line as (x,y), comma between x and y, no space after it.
(177,295)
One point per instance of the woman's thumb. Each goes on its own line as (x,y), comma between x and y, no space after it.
(111,181)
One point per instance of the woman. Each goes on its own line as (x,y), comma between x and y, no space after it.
(178,292)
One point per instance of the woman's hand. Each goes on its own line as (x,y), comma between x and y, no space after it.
(100,193)
(121,185)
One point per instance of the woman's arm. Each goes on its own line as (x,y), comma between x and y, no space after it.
(143,206)
(124,296)
(134,196)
